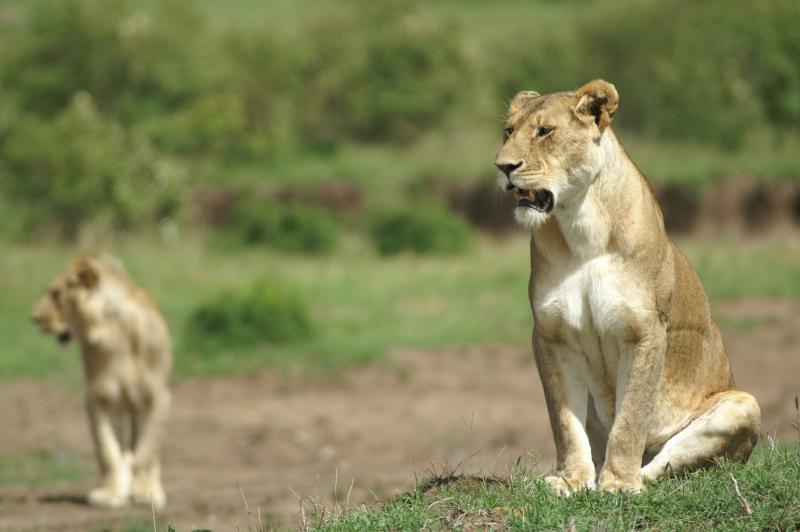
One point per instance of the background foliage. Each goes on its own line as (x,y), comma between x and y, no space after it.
(176,84)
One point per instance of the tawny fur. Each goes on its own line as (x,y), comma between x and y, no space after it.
(127,360)
(634,371)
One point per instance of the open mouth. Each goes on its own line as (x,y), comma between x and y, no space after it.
(540,199)
(64,337)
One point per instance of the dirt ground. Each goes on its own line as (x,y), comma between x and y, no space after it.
(363,437)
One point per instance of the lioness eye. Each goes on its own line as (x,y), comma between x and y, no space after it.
(507,132)
(543,131)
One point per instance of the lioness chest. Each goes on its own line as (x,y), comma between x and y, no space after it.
(589,308)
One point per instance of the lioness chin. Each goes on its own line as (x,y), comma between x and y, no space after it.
(127,360)
(634,372)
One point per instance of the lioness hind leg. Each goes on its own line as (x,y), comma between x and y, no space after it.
(147,488)
(729,426)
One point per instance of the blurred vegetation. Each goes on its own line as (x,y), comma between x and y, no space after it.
(710,71)
(307,126)
(44,467)
(423,229)
(95,95)
(261,313)
(292,228)
(361,306)
(79,165)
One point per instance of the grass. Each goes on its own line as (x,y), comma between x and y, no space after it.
(362,305)
(769,483)
(759,267)
(44,467)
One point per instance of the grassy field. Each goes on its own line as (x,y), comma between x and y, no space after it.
(769,498)
(362,305)
(41,467)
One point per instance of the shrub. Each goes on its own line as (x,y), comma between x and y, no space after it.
(81,166)
(264,313)
(711,74)
(287,228)
(133,62)
(386,75)
(425,229)
(242,113)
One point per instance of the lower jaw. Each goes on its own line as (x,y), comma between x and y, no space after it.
(529,218)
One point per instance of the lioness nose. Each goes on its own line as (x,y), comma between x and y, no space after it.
(35,318)
(507,168)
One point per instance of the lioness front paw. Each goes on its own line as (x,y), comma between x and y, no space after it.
(609,481)
(107,497)
(564,486)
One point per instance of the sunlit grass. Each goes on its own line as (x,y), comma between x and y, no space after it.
(362,305)
(40,467)
(768,485)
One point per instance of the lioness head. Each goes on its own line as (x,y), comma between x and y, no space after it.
(54,313)
(552,147)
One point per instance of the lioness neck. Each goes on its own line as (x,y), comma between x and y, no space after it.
(616,212)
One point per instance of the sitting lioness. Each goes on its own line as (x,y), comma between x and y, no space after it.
(127,360)
(634,372)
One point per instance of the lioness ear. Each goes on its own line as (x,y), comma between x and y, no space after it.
(85,273)
(597,101)
(521,99)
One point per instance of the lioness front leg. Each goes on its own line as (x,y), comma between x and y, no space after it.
(114,469)
(640,367)
(563,375)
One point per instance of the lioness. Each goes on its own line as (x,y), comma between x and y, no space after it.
(127,360)
(634,372)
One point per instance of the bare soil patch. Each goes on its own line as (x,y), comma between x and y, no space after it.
(374,429)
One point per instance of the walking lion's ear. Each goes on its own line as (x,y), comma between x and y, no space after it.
(596,102)
(520,100)
(85,273)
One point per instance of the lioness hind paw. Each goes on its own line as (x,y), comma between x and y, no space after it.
(611,484)
(107,498)
(154,496)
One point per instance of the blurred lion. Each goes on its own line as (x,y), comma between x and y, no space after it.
(127,359)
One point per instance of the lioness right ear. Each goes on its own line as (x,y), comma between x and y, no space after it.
(86,273)
(597,101)
(521,99)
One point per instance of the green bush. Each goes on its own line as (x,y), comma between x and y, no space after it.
(263,313)
(227,95)
(134,62)
(287,228)
(425,229)
(713,73)
(241,115)
(80,166)
(393,76)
